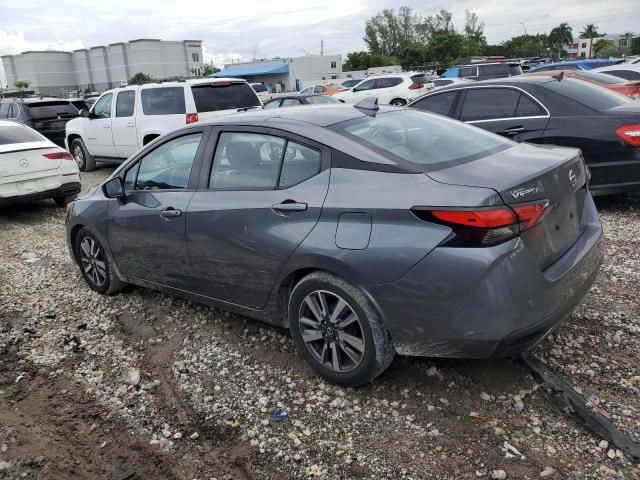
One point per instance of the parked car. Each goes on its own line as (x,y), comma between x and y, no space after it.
(124,119)
(360,228)
(629,88)
(296,100)
(443,82)
(484,71)
(32,167)
(555,111)
(625,71)
(47,115)
(350,83)
(395,89)
(584,64)
(259,87)
(322,89)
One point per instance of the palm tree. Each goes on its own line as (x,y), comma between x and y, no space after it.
(22,85)
(590,31)
(603,44)
(560,36)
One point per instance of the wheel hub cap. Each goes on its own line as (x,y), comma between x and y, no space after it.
(93,263)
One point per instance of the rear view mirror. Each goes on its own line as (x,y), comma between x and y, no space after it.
(85,113)
(114,188)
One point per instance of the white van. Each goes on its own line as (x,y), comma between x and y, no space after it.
(124,119)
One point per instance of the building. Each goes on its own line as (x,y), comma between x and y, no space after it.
(583,47)
(100,68)
(286,74)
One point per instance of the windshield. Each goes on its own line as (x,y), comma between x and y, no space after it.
(224,96)
(587,94)
(422,138)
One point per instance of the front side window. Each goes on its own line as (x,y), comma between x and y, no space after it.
(169,165)
(272,104)
(322,99)
(469,72)
(163,101)
(367,85)
(125,103)
(102,108)
(440,103)
(319,89)
(290,102)
(306,91)
(489,103)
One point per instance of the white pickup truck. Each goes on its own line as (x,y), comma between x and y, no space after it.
(124,119)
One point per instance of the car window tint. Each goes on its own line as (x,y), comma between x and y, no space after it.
(212,97)
(290,102)
(169,165)
(489,103)
(102,108)
(4,109)
(19,134)
(626,74)
(272,104)
(440,103)
(125,103)
(246,161)
(528,108)
(421,138)
(163,101)
(300,163)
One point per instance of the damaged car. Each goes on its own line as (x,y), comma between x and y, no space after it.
(367,230)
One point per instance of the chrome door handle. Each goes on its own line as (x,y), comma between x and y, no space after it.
(106,125)
(169,213)
(289,206)
(130,124)
(513,130)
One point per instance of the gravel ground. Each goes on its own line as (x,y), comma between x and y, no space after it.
(143,385)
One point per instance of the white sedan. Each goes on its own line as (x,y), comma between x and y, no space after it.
(395,89)
(32,167)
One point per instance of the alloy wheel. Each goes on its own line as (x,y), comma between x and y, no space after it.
(93,263)
(78,155)
(331,331)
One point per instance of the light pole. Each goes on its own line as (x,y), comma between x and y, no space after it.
(525,28)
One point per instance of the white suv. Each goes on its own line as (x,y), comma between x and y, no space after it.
(397,89)
(124,119)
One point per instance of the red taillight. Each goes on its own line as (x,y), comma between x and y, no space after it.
(630,134)
(63,155)
(192,118)
(486,227)
(415,86)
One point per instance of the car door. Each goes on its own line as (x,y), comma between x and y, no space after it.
(507,111)
(362,90)
(262,198)
(443,103)
(123,124)
(97,128)
(146,228)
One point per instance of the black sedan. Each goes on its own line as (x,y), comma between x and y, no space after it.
(296,100)
(557,111)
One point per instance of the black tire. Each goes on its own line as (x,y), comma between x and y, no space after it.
(81,155)
(62,201)
(378,346)
(111,283)
(398,102)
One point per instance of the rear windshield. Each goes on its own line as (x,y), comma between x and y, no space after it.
(224,96)
(51,109)
(350,83)
(587,94)
(599,77)
(163,101)
(421,79)
(430,141)
(9,135)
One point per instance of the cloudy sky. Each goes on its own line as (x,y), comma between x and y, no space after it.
(247,28)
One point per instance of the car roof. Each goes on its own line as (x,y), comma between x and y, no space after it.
(318,115)
(37,99)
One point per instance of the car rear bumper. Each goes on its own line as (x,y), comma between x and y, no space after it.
(614,177)
(56,186)
(485,302)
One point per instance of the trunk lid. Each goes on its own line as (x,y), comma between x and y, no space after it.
(51,116)
(27,159)
(527,173)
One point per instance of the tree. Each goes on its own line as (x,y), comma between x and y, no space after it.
(560,36)
(209,70)
(525,46)
(474,39)
(603,45)
(590,31)
(140,78)
(635,46)
(364,60)
(22,84)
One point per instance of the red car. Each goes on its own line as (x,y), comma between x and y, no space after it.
(620,85)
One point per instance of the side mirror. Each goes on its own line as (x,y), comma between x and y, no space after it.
(85,113)
(114,188)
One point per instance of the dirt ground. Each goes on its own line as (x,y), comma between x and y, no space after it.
(143,385)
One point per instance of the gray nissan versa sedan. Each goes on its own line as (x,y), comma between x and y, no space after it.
(367,231)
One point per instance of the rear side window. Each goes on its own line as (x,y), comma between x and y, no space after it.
(587,94)
(9,135)
(626,74)
(4,110)
(515,70)
(125,103)
(469,71)
(290,102)
(430,141)
(528,108)
(51,109)
(390,82)
(440,103)
(498,69)
(163,101)
(300,163)
(489,103)
(442,83)
(211,97)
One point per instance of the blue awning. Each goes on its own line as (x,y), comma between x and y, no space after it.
(253,70)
